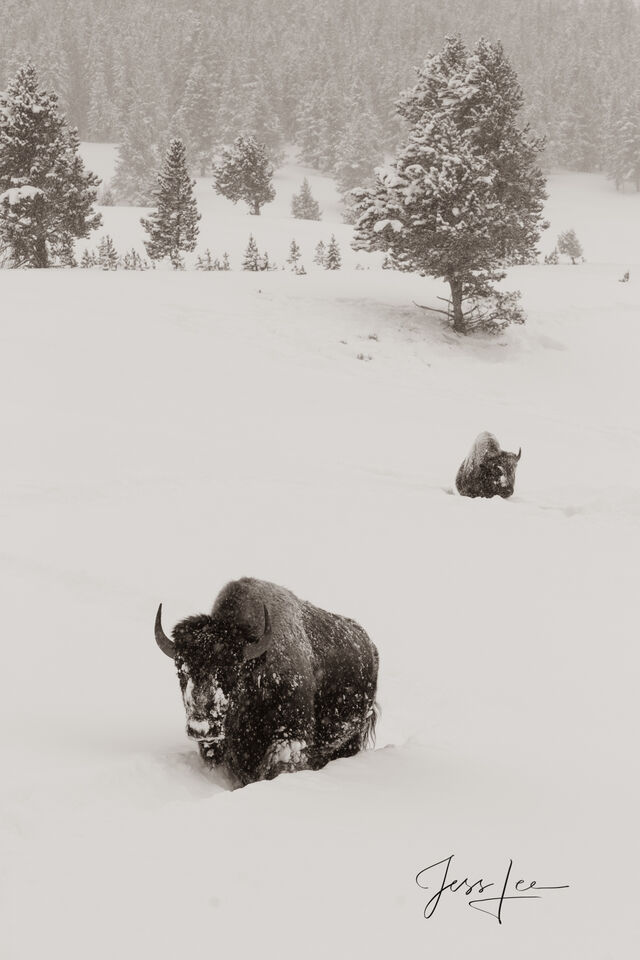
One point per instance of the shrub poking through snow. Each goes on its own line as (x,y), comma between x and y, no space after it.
(265,264)
(133,261)
(205,261)
(88,259)
(570,246)
(553,257)
(303,206)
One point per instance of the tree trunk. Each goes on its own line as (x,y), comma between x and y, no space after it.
(456,303)
(256,208)
(41,254)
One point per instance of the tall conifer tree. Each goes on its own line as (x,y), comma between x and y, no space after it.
(173,226)
(46,195)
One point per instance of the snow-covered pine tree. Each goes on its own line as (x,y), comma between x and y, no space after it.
(251,259)
(264,263)
(46,195)
(107,254)
(173,226)
(358,152)
(479,92)
(303,205)
(333,258)
(133,181)
(569,245)
(320,253)
(294,254)
(87,260)
(225,261)
(464,194)
(244,172)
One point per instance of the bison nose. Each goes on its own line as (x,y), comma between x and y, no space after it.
(197,729)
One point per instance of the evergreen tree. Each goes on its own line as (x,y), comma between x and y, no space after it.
(195,118)
(569,245)
(251,259)
(358,153)
(173,226)
(88,259)
(107,254)
(294,254)
(46,195)
(320,253)
(464,194)
(245,173)
(333,258)
(303,206)
(623,159)
(133,181)
(225,261)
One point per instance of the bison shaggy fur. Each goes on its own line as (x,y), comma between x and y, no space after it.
(488,471)
(307,698)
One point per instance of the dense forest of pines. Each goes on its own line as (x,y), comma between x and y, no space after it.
(323,74)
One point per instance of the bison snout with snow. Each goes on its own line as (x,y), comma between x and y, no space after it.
(488,471)
(271,683)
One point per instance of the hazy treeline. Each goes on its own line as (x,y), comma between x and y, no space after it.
(317,72)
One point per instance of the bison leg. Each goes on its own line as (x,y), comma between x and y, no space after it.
(283,756)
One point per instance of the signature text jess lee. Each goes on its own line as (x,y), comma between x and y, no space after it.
(437,877)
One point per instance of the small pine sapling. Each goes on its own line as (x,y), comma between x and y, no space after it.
(303,206)
(205,262)
(265,263)
(333,259)
(294,254)
(251,259)
(553,257)
(320,254)
(107,254)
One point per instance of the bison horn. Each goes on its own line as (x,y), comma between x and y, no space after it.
(167,646)
(519,453)
(253,650)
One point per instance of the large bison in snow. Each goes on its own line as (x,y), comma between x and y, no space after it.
(271,683)
(488,471)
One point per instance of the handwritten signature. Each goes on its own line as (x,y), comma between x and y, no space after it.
(492,904)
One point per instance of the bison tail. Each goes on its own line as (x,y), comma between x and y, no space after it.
(369,732)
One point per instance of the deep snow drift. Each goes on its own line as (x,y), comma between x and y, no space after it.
(164,433)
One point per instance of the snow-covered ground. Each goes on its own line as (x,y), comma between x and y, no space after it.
(164,433)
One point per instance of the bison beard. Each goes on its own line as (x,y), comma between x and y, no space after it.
(488,471)
(271,683)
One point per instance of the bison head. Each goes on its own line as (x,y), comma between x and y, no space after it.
(503,469)
(210,653)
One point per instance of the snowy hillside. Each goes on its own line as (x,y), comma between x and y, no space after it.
(165,433)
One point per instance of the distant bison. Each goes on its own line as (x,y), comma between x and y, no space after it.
(488,471)
(271,683)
